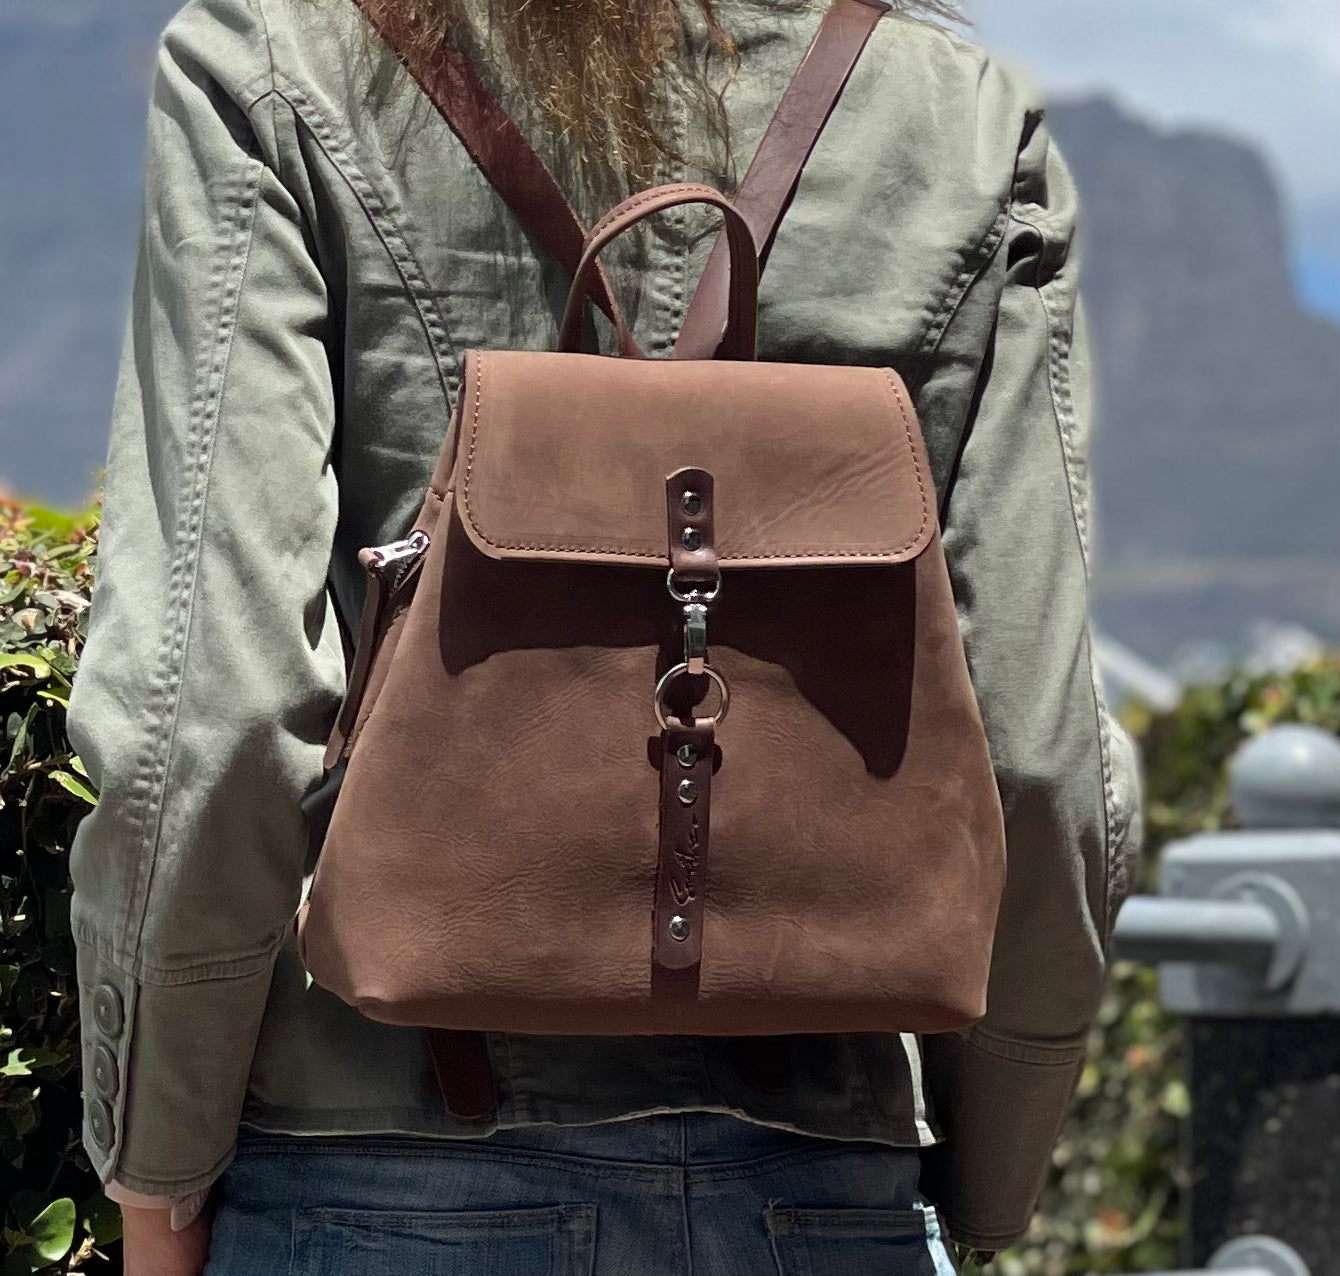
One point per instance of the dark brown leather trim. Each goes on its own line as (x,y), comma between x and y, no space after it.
(690,510)
(740,340)
(765,193)
(464,1073)
(686,800)
(374,604)
(380,609)
(503,154)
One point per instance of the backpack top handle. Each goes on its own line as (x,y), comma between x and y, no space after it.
(740,340)
(519,176)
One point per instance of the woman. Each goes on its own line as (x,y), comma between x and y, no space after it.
(318,252)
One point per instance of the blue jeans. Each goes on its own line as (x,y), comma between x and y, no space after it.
(690,1195)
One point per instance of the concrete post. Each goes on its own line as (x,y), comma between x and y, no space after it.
(1264,1138)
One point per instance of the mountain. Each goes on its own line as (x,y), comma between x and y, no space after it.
(1218,453)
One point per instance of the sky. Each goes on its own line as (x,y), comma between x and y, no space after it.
(1267,70)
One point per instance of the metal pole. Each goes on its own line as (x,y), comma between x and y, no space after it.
(1218,1271)
(1249,1256)
(1152,930)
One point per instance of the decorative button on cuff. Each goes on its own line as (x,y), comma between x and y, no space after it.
(106,1076)
(100,1123)
(107,1011)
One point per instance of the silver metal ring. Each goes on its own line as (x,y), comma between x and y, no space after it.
(694,595)
(679,671)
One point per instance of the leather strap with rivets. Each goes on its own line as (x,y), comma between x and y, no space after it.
(687,754)
(689,497)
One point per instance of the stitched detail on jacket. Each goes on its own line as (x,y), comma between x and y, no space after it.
(393,238)
(476,360)
(975,261)
(148,788)
(237,966)
(1058,374)
(1042,1053)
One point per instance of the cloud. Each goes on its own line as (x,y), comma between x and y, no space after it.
(1307,29)
(1266,70)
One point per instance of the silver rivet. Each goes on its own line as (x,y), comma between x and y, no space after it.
(687,755)
(679,928)
(688,792)
(691,503)
(692,539)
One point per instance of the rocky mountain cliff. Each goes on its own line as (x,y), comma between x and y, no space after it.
(1218,451)
(1218,455)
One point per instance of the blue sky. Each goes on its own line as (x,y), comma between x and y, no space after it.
(1267,70)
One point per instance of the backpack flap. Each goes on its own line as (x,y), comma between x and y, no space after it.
(565,457)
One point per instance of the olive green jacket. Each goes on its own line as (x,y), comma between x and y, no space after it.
(315,260)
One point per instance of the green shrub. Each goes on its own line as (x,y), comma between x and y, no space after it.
(1112,1204)
(55,1216)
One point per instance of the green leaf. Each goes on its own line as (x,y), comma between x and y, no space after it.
(53,1230)
(31,620)
(21,1109)
(23,660)
(55,697)
(58,598)
(8,593)
(101,1219)
(28,1061)
(72,785)
(77,764)
(21,731)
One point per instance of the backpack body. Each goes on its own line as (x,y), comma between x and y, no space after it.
(660,720)
(495,858)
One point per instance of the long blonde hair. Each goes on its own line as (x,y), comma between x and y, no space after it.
(591,68)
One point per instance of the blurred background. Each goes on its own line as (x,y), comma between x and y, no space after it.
(1205,138)
(1205,135)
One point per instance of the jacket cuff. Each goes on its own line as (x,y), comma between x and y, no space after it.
(165,1070)
(1001,1104)
(182,1210)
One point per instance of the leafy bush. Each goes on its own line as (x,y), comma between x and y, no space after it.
(55,1216)
(1113,1201)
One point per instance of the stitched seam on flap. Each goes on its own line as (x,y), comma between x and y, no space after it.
(537,547)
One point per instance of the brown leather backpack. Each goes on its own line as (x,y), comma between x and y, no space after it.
(660,720)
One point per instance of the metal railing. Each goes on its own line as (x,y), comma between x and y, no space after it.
(1245,933)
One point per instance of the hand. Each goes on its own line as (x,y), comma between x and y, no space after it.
(152,1248)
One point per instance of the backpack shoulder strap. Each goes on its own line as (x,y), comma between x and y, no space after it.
(520,177)
(771,179)
(502,153)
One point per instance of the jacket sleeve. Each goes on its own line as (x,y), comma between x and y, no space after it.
(212,669)
(1017,539)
